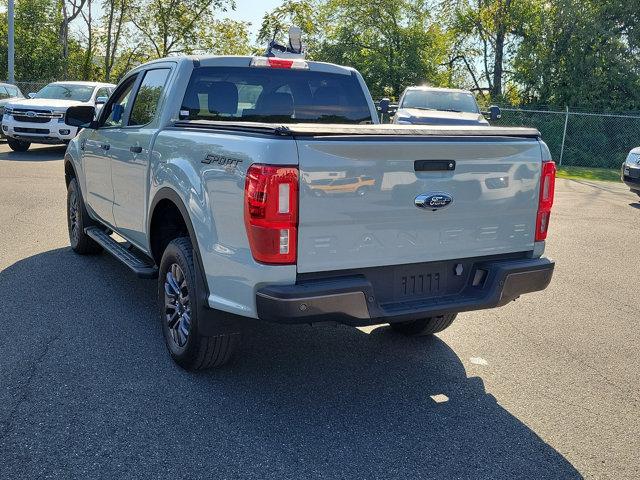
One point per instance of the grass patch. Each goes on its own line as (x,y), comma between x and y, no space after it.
(586,173)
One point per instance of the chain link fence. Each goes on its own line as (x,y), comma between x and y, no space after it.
(28,87)
(575,138)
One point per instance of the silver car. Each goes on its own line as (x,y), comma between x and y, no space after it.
(631,170)
(441,106)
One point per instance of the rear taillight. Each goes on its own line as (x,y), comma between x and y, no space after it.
(271,213)
(545,201)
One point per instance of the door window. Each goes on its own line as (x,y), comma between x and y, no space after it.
(3,93)
(103,92)
(146,102)
(117,105)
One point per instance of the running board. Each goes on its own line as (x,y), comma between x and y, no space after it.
(142,267)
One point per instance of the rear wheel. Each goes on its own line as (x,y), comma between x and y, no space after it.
(177,294)
(18,145)
(424,326)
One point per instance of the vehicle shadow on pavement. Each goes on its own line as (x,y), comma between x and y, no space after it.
(88,391)
(39,153)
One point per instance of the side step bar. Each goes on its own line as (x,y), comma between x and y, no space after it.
(142,267)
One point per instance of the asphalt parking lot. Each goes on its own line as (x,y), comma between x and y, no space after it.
(546,387)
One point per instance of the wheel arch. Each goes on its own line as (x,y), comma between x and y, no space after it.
(69,169)
(164,202)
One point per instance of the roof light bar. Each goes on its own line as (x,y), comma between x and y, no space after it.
(274,62)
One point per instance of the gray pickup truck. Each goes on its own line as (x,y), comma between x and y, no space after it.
(263,188)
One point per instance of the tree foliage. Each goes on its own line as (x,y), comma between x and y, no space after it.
(393,43)
(580,53)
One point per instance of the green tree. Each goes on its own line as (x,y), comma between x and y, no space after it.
(493,29)
(176,26)
(393,43)
(275,24)
(38,51)
(582,54)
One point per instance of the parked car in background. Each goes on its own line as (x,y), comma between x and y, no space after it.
(631,170)
(440,106)
(8,93)
(40,118)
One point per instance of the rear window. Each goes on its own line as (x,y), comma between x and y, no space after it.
(250,94)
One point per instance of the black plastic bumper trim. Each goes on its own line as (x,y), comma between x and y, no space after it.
(351,300)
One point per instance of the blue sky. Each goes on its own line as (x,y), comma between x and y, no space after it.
(252,11)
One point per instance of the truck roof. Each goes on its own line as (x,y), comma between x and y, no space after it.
(243,61)
(79,82)
(427,88)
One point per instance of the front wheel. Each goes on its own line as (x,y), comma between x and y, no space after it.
(77,220)
(424,326)
(18,145)
(177,297)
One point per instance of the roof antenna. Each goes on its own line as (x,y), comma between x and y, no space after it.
(294,49)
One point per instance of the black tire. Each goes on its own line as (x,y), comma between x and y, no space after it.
(77,220)
(424,326)
(176,289)
(18,145)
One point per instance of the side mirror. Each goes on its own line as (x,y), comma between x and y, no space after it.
(31,95)
(495,113)
(384,106)
(80,116)
(101,100)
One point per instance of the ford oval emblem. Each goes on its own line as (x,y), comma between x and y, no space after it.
(30,114)
(433,201)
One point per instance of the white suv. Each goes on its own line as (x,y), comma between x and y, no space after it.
(40,118)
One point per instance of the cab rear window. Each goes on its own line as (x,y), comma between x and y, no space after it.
(274,95)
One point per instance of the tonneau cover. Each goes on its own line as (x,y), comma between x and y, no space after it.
(337,130)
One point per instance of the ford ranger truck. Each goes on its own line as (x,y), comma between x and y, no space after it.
(204,173)
(40,118)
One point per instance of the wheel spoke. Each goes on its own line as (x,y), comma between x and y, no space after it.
(181,335)
(177,309)
(173,319)
(171,287)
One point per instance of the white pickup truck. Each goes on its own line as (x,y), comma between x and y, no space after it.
(40,118)
(263,188)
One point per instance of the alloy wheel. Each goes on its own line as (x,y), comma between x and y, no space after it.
(177,305)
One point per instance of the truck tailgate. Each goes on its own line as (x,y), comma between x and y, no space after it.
(358,209)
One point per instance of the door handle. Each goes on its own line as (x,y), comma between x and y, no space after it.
(105,146)
(434,165)
(135,149)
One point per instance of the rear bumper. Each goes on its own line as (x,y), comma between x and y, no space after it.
(352,299)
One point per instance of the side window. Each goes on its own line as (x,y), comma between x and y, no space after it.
(102,92)
(148,96)
(114,109)
(3,93)
(14,92)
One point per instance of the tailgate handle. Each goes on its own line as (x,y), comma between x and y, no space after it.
(434,165)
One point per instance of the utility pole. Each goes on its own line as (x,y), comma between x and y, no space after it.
(11,49)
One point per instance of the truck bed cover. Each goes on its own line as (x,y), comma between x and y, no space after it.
(342,130)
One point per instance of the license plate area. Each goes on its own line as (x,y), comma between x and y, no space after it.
(419,281)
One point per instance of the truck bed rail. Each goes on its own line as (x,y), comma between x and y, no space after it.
(342,130)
